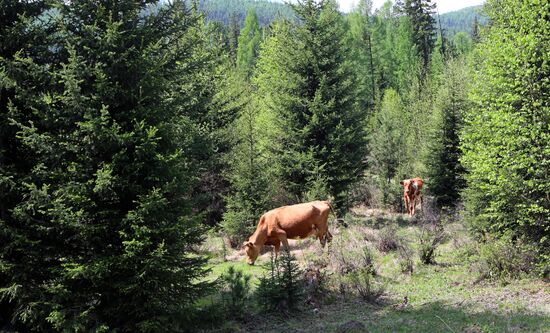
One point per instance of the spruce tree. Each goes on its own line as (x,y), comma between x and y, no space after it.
(248,175)
(445,172)
(420,13)
(105,147)
(22,43)
(308,87)
(475,30)
(233,36)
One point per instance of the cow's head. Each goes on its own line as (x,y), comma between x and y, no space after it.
(252,252)
(406,185)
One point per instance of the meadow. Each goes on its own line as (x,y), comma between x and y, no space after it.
(450,295)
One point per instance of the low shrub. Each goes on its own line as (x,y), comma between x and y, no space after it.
(406,263)
(388,239)
(432,232)
(430,237)
(353,263)
(235,290)
(363,282)
(315,280)
(281,288)
(350,253)
(504,258)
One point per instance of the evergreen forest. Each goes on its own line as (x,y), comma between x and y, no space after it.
(141,141)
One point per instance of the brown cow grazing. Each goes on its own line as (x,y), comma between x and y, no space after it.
(289,222)
(411,193)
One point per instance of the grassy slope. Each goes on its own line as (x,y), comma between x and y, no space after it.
(445,297)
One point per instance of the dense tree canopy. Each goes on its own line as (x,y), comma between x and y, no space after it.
(128,130)
(308,87)
(505,141)
(104,148)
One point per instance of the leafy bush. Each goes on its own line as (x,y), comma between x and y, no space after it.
(505,138)
(281,288)
(235,290)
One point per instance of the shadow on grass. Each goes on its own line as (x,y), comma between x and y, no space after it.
(431,317)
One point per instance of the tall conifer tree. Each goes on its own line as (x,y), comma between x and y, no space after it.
(106,149)
(308,87)
(421,15)
(445,172)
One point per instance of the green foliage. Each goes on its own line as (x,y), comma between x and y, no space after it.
(249,43)
(395,55)
(306,88)
(505,259)
(463,20)
(249,175)
(505,139)
(235,292)
(97,220)
(360,26)
(387,147)
(462,43)
(421,16)
(281,288)
(444,169)
(224,10)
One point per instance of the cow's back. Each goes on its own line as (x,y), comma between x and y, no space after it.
(299,220)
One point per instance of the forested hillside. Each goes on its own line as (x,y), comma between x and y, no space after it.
(141,142)
(463,20)
(225,11)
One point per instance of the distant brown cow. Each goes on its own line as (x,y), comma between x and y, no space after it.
(289,222)
(411,193)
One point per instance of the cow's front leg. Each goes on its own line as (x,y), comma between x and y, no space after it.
(406,199)
(281,235)
(277,246)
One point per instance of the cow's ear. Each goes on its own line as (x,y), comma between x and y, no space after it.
(247,244)
(402,183)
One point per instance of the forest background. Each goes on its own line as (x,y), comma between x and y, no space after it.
(129,129)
